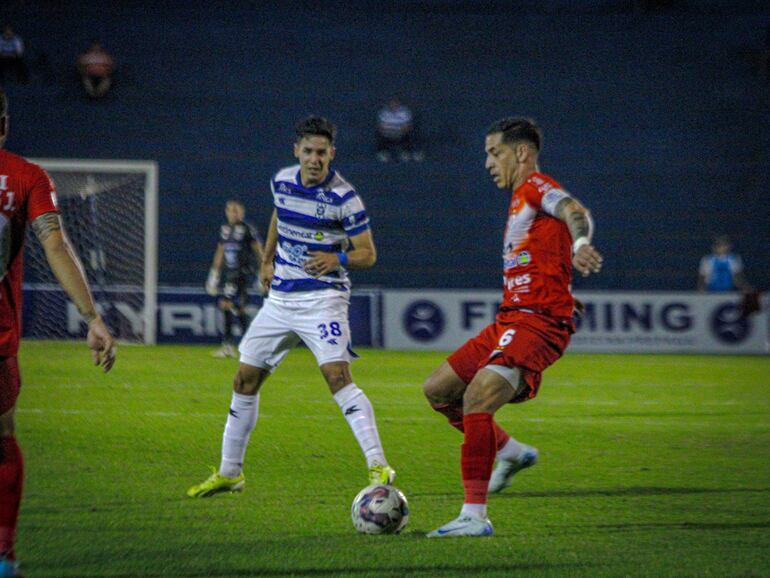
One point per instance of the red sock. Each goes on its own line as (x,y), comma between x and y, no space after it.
(454,413)
(478,456)
(11,482)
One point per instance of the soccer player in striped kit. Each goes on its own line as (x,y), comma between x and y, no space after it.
(547,233)
(318,231)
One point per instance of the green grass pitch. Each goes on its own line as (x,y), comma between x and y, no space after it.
(650,466)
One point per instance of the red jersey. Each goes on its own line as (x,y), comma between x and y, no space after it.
(26,192)
(537,251)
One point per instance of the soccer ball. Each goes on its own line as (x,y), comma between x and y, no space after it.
(380,509)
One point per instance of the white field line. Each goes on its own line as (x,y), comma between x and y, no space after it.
(668,423)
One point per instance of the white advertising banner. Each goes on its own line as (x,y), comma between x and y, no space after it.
(623,322)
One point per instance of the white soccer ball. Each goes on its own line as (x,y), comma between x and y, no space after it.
(380,509)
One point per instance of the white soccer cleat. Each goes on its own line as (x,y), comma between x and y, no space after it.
(224,352)
(504,471)
(463,526)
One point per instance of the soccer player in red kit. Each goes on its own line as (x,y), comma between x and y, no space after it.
(548,232)
(27,195)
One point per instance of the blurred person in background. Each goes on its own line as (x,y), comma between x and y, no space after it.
(722,270)
(96,68)
(395,133)
(12,57)
(238,253)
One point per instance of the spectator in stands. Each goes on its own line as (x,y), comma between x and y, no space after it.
(722,270)
(96,66)
(12,56)
(395,133)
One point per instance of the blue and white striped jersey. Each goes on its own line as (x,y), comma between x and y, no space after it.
(319,218)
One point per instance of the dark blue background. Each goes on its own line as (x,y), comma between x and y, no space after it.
(659,122)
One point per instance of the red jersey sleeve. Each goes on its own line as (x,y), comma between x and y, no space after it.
(542,193)
(42,195)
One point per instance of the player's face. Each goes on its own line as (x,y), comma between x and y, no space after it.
(315,153)
(501,161)
(234,213)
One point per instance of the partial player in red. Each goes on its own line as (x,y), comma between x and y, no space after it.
(27,195)
(548,232)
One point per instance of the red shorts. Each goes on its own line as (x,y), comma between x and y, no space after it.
(10,383)
(528,341)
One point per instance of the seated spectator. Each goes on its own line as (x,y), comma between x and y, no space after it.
(12,56)
(395,133)
(722,270)
(96,67)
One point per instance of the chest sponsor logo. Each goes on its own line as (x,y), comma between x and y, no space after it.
(520,259)
(518,282)
(294,253)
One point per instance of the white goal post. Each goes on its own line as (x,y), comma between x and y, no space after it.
(110,212)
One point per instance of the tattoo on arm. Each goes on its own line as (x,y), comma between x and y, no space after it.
(576,217)
(46,224)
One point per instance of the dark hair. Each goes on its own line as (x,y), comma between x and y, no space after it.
(315,126)
(3,104)
(518,128)
(235,202)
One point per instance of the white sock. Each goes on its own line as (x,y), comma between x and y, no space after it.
(511,450)
(240,421)
(358,410)
(478,511)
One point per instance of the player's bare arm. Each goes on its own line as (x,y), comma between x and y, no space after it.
(268,254)
(362,256)
(219,256)
(68,270)
(586,258)
(212,282)
(258,249)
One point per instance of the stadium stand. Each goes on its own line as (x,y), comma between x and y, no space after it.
(652,118)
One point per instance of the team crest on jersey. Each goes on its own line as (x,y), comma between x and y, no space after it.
(239,231)
(225,230)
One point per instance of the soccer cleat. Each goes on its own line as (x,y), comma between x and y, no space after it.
(216,484)
(379,474)
(463,526)
(224,352)
(506,469)
(8,568)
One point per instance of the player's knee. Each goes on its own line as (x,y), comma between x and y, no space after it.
(248,382)
(433,390)
(487,395)
(440,389)
(337,375)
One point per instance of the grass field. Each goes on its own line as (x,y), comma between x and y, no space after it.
(650,466)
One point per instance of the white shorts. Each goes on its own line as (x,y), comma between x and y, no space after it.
(280,325)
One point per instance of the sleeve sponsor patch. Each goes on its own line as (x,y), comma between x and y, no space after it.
(552,198)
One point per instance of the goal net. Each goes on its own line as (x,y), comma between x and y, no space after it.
(109,211)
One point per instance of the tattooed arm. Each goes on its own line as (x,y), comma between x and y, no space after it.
(68,270)
(586,259)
